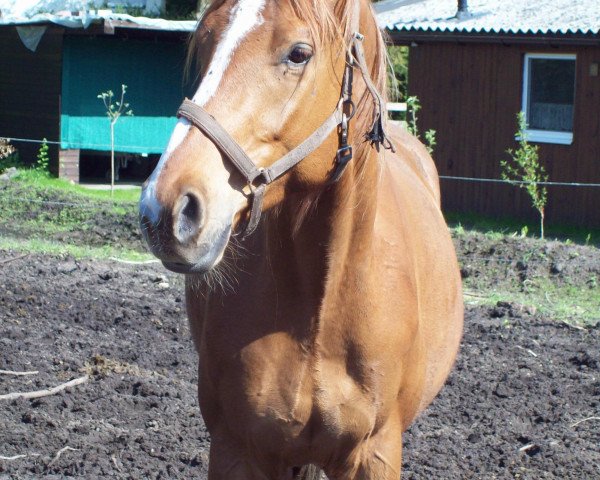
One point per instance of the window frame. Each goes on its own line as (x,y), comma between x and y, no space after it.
(546,136)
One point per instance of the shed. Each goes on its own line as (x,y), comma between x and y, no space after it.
(52,69)
(474,67)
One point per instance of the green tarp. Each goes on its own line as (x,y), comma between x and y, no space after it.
(152,71)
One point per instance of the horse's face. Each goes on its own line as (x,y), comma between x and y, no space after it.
(270,85)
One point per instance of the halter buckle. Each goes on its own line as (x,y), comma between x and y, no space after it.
(252,185)
(342,157)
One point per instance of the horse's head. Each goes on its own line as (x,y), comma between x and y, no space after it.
(271,74)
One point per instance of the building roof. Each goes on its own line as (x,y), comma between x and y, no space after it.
(31,30)
(84,19)
(83,13)
(546,17)
(28,8)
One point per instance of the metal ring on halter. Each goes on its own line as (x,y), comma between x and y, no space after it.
(251,185)
(262,174)
(352,108)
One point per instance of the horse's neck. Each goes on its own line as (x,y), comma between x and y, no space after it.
(335,234)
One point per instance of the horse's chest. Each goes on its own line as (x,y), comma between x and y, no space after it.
(306,402)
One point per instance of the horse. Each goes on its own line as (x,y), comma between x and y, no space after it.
(322,287)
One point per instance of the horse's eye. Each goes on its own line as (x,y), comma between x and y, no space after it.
(299,55)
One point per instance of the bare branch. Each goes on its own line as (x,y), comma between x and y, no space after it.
(133,262)
(14,457)
(45,393)
(530,352)
(59,453)
(122,99)
(6,260)
(584,420)
(527,447)
(18,374)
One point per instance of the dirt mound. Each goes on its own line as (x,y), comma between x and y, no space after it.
(520,403)
(487,261)
(30,211)
(511,261)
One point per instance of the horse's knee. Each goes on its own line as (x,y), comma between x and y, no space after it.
(226,463)
(379,467)
(381,458)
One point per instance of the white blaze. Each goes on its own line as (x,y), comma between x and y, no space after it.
(245,16)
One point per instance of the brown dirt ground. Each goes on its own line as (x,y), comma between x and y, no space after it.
(522,402)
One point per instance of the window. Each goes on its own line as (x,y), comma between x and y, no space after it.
(548,97)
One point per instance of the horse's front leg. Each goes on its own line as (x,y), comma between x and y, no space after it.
(227,462)
(378,458)
(381,465)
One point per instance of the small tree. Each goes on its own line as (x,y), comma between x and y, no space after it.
(43,160)
(525,170)
(114,112)
(413,105)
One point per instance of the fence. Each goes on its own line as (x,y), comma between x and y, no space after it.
(391,107)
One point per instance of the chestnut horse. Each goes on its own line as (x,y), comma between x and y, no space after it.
(339,317)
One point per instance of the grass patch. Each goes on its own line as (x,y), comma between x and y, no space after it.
(512,227)
(568,303)
(48,247)
(39,181)
(34,206)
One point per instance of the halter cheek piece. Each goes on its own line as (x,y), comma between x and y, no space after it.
(257,177)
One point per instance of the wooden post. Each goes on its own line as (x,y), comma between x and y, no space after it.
(68,164)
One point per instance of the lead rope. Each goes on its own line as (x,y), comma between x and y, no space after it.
(356,56)
(376,135)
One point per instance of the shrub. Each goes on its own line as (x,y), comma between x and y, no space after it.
(413,105)
(43,160)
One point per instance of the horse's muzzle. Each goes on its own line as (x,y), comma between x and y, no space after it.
(178,235)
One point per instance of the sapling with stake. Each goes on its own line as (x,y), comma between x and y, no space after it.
(114,112)
(525,170)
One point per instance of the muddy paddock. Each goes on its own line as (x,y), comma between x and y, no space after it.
(522,402)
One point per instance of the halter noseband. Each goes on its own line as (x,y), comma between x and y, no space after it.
(257,177)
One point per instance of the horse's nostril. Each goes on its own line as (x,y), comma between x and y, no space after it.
(188,218)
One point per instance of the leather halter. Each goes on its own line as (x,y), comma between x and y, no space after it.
(257,177)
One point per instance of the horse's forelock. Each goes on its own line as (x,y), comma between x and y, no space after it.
(328,21)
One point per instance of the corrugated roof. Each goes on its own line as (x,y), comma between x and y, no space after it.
(120,20)
(83,13)
(14,9)
(492,16)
